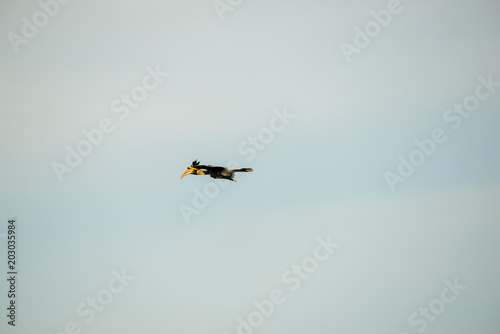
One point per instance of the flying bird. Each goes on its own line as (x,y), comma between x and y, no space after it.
(215,172)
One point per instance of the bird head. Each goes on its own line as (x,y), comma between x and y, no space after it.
(193,170)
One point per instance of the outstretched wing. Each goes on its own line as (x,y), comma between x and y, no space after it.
(213,169)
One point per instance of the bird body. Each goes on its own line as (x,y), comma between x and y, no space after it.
(216,172)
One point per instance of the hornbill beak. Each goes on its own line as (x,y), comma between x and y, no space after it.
(192,170)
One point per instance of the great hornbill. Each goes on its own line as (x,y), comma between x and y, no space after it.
(215,172)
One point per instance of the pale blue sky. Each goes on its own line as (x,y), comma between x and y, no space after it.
(323,174)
